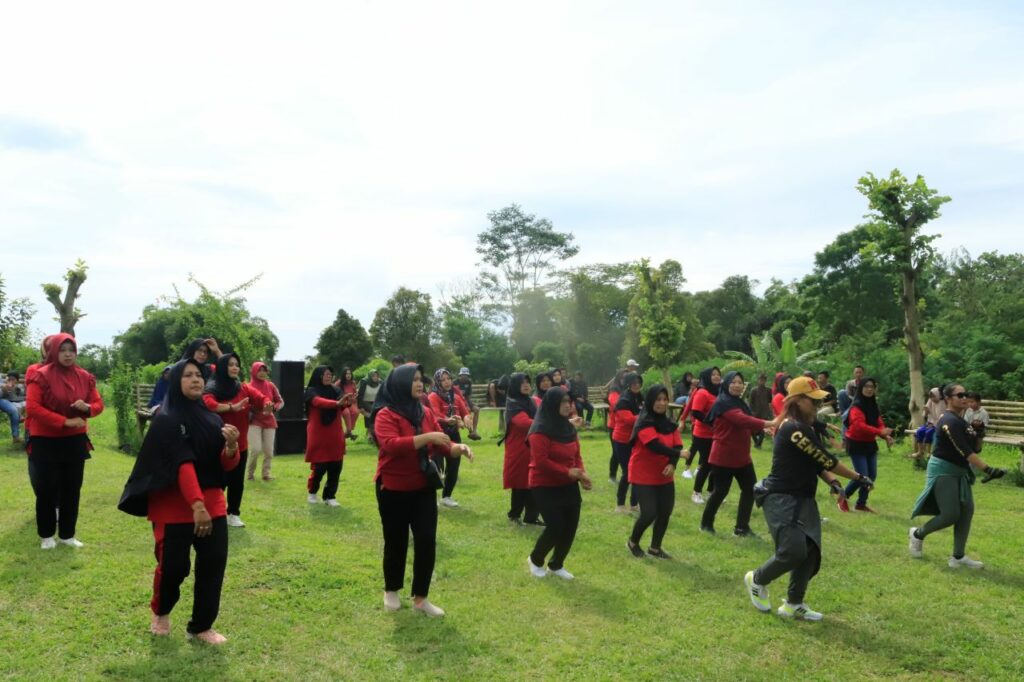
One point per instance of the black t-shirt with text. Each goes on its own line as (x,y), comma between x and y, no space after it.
(797,459)
(955,439)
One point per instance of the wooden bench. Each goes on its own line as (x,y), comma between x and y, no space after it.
(143,413)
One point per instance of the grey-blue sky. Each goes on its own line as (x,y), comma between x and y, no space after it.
(347,149)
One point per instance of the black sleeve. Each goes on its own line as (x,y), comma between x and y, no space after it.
(698,415)
(956,432)
(660,448)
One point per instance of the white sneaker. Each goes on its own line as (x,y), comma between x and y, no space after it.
(758,593)
(71,542)
(965,563)
(333,503)
(313,499)
(697,498)
(798,611)
(622,509)
(449,502)
(562,573)
(429,609)
(391,601)
(916,544)
(48,543)
(687,473)
(536,571)
(234,521)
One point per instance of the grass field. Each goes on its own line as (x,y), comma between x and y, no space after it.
(302,598)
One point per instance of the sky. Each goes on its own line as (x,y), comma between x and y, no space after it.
(344,149)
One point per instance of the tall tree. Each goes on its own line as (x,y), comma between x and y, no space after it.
(15,315)
(344,343)
(68,313)
(898,209)
(650,312)
(732,313)
(403,325)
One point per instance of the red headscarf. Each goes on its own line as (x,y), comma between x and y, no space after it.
(262,385)
(62,385)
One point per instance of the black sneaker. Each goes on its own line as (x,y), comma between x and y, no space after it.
(708,529)
(659,553)
(636,550)
(534,522)
(475,436)
(746,533)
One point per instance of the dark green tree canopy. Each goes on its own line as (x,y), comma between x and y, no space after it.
(344,343)
(403,325)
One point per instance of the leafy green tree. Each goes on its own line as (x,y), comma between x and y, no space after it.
(464,329)
(534,321)
(660,330)
(403,325)
(898,210)
(97,359)
(68,313)
(549,353)
(770,357)
(731,313)
(591,309)
(15,315)
(344,343)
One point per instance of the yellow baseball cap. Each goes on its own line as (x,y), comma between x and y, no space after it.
(805,386)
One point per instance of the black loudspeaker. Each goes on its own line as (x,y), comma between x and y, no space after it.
(291,437)
(289,377)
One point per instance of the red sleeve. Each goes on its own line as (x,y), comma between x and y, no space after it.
(430,424)
(210,402)
(859,429)
(278,401)
(229,462)
(324,403)
(257,399)
(188,483)
(522,420)
(95,403)
(677,438)
(35,408)
(540,454)
(647,434)
(437,408)
(386,429)
(579,458)
(461,407)
(742,420)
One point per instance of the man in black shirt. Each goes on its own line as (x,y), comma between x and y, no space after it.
(790,510)
(578,390)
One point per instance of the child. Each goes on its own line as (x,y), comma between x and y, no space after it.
(977,417)
(933,411)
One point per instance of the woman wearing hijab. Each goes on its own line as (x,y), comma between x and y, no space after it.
(452,412)
(178,484)
(864,426)
(626,410)
(407,434)
(365,396)
(556,474)
(779,390)
(733,424)
(263,424)
(615,389)
(703,435)
(346,384)
(325,442)
(159,389)
(61,397)
(202,350)
(519,413)
(656,447)
(232,400)
(543,383)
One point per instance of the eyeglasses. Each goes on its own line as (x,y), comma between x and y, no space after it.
(960,395)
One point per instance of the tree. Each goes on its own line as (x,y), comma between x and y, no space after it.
(660,330)
(15,315)
(97,359)
(534,321)
(521,248)
(770,357)
(898,209)
(344,343)
(733,312)
(403,325)
(463,328)
(68,313)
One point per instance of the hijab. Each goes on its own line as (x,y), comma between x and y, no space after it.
(62,385)
(727,401)
(160,389)
(536,385)
(869,406)
(221,386)
(549,421)
(191,349)
(182,431)
(316,389)
(779,385)
(705,380)
(264,386)
(662,423)
(370,378)
(516,401)
(627,399)
(396,395)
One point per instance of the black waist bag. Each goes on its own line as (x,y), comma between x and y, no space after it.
(429,468)
(760,492)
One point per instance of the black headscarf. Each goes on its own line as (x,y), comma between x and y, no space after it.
(536,384)
(316,389)
(548,420)
(447,396)
(191,349)
(396,395)
(221,386)
(705,380)
(869,406)
(779,385)
(627,399)
(183,430)
(516,401)
(726,401)
(662,423)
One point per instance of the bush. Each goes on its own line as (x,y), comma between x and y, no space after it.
(123,379)
(363,371)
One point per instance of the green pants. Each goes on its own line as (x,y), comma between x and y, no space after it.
(952,512)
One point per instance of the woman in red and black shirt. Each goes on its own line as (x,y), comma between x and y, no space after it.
(733,423)
(347,386)
(556,474)
(519,413)
(779,390)
(656,449)
(232,400)
(325,442)
(614,391)
(626,410)
(178,484)
(407,434)
(452,413)
(864,426)
(702,400)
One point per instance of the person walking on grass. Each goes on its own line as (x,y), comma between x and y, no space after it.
(790,510)
(703,435)
(262,423)
(947,496)
(177,483)
(325,439)
(520,411)
(732,424)
(656,447)
(556,475)
(864,427)
(407,434)
(626,410)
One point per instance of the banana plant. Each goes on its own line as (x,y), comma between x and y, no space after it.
(770,357)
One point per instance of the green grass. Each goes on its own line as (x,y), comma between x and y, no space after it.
(302,598)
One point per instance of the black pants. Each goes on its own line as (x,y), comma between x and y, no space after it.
(758,438)
(613,463)
(449,466)
(560,507)
(721,482)
(623,451)
(584,407)
(656,505)
(56,470)
(236,484)
(522,501)
(316,474)
(702,448)
(174,542)
(400,512)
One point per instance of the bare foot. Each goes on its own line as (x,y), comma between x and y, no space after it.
(211,636)
(161,625)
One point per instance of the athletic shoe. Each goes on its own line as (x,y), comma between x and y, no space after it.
(71,542)
(536,571)
(843,505)
(798,612)
(745,533)
(659,553)
(687,473)
(48,543)
(758,593)
(965,563)
(234,521)
(634,508)
(515,521)
(622,509)
(332,503)
(160,625)
(391,601)
(475,436)
(613,480)
(710,530)
(916,545)
(249,478)
(351,436)
(449,502)
(535,522)
(268,478)
(208,636)
(864,508)
(635,550)
(313,499)
(429,609)
(562,573)
(697,498)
